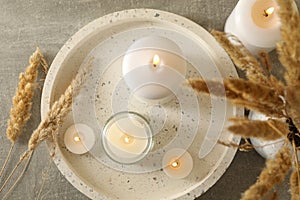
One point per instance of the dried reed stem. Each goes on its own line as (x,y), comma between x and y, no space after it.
(294,184)
(258,129)
(50,125)
(22,101)
(216,88)
(289,47)
(274,173)
(242,147)
(7,158)
(254,92)
(265,61)
(292,96)
(241,57)
(13,171)
(18,179)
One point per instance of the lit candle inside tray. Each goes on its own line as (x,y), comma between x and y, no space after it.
(177,163)
(127,137)
(79,138)
(256,24)
(153,66)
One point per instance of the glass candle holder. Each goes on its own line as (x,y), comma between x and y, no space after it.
(127,137)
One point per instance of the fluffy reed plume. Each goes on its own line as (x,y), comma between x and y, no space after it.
(241,57)
(294,184)
(289,47)
(48,128)
(266,94)
(22,101)
(259,129)
(274,173)
(243,93)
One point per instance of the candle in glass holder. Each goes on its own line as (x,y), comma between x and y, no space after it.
(153,67)
(177,163)
(127,137)
(256,24)
(79,138)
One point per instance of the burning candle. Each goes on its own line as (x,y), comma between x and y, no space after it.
(177,163)
(153,67)
(127,137)
(256,24)
(79,138)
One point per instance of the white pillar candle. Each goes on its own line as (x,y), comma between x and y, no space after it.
(256,24)
(177,163)
(153,67)
(127,137)
(79,138)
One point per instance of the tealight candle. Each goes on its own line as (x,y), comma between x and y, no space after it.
(79,138)
(153,67)
(177,163)
(256,24)
(127,137)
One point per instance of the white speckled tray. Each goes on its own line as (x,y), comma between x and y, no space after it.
(107,39)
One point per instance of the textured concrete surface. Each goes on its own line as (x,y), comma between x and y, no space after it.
(48,24)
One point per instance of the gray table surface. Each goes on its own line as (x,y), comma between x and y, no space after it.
(49,24)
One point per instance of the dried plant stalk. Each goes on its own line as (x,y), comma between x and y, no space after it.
(258,129)
(232,89)
(22,101)
(242,147)
(274,173)
(50,125)
(268,111)
(255,92)
(48,128)
(294,183)
(289,47)
(216,88)
(292,106)
(265,61)
(241,57)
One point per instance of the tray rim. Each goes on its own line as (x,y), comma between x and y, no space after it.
(85,31)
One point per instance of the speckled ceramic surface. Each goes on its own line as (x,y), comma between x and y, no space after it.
(189,121)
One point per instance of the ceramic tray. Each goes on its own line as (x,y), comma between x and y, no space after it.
(194,121)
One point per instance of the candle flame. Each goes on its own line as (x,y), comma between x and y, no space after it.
(269,11)
(156,60)
(127,139)
(175,164)
(76,139)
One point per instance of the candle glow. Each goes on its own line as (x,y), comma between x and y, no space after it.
(127,139)
(76,139)
(156,60)
(269,11)
(175,164)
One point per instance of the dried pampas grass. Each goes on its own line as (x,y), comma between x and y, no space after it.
(274,173)
(48,128)
(22,101)
(264,93)
(259,129)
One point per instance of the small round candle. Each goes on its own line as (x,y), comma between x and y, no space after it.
(79,138)
(127,137)
(256,24)
(153,67)
(177,163)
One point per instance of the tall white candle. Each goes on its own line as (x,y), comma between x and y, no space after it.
(79,138)
(153,67)
(127,137)
(256,24)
